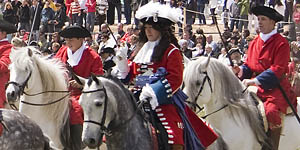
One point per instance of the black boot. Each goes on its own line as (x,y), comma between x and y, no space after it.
(274,136)
(76,131)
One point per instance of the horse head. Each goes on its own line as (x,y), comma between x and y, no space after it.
(21,70)
(97,106)
(199,80)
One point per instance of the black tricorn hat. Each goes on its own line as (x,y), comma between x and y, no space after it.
(107,50)
(267,11)
(234,50)
(7,27)
(75,32)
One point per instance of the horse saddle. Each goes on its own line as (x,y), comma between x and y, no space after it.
(260,106)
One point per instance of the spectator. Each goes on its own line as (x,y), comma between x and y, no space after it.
(185,49)
(8,14)
(102,11)
(35,18)
(213,5)
(211,42)
(75,12)
(244,6)
(91,15)
(25,16)
(103,42)
(191,16)
(234,15)
(47,21)
(59,17)
(127,11)
(83,12)
(16,4)
(121,31)
(201,6)
(112,4)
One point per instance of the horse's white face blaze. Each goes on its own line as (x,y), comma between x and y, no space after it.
(93,106)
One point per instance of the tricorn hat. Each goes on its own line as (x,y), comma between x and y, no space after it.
(107,50)
(7,27)
(155,12)
(75,32)
(267,11)
(234,50)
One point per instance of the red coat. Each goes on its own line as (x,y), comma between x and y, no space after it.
(269,59)
(90,62)
(172,61)
(5,48)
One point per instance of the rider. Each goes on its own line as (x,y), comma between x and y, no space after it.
(5,47)
(266,66)
(83,61)
(161,50)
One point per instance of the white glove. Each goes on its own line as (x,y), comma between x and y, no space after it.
(148,93)
(249,82)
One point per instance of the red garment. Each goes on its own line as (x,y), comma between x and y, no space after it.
(68,6)
(168,114)
(296,16)
(5,48)
(274,54)
(91,5)
(90,62)
(126,38)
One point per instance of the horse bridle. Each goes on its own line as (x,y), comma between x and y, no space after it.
(108,130)
(103,128)
(194,103)
(22,88)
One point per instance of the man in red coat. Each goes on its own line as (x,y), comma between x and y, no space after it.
(5,47)
(83,61)
(266,66)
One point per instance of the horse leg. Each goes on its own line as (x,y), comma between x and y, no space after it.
(176,147)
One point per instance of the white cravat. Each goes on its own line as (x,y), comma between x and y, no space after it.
(75,58)
(144,55)
(265,37)
(4,40)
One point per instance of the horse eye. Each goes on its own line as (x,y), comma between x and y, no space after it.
(98,103)
(197,83)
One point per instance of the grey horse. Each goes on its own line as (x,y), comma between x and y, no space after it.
(110,109)
(20,133)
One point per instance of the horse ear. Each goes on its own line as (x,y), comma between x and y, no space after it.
(30,53)
(94,78)
(79,80)
(207,61)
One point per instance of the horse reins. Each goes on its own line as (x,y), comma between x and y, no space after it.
(195,105)
(105,130)
(22,88)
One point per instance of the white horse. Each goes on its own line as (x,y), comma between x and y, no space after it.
(213,85)
(32,78)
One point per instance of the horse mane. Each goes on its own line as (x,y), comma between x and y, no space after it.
(53,75)
(228,90)
(128,94)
